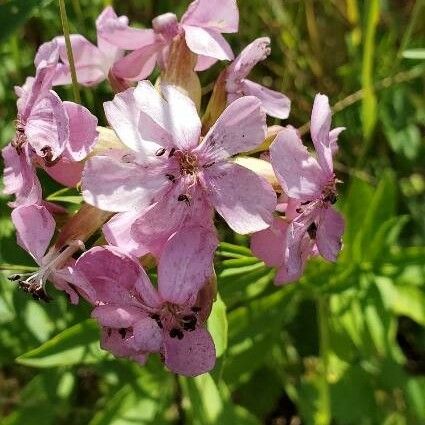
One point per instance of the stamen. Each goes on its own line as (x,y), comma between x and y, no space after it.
(184,198)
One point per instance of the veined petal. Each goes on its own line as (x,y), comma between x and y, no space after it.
(186,264)
(221,15)
(104,22)
(192,355)
(124,115)
(65,171)
(35,227)
(174,113)
(274,103)
(47,126)
(147,336)
(255,52)
(245,200)
(117,316)
(270,244)
(240,128)
(298,172)
(138,64)
(207,42)
(82,131)
(204,62)
(329,233)
(124,187)
(320,128)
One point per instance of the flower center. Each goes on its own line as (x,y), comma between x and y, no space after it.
(188,162)
(329,194)
(20,137)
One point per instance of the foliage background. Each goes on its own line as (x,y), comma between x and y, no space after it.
(345,345)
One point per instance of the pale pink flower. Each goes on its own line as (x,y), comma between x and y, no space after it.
(237,85)
(168,175)
(138,319)
(51,134)
(202,26)
(92,63)
(35,228)
(311,225)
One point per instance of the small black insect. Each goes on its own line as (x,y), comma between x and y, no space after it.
(312,231)
(171,177)
(171,152)
(176,333)
(184,198)
(160,152)
(331,198)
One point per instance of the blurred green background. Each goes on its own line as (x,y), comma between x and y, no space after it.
(346,344)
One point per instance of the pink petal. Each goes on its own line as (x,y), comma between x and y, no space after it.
(108,18)
(298,172)
(125,186)
(112,341)
(333,138)
(207,42)
(192,355)
(117,231)
(329,233)
(320,127)
(82,131)
(255,52)
(186,264)
(147,336)
(222,15)
(240,128)
(270,245)
(245,200)
(124,115)
(48,53)
(274,103)
(111,273)
(116,316)
(91,65)
(204,62)
(174,113)
(35,227)
(19,177)
(138,64)
(48,126)
(65,171)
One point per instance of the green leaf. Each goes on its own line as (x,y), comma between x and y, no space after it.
(217,325)
(78,344)
(211,404)
(414,54)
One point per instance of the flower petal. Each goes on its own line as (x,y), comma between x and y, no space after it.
(207,42)
(47,126)
(255,52)
(35,227)
(270,245)
(274,103)
(245,200)
(82,131)
(192,355)
(117,232)
(20,178)
(138,64)
(222,15)
(329,233)
(116,316)
(147,336)
(298,172)
(175,114)
(204,62)
(112,341)
(186,264)
(65,171)
(240,128)
(124,187)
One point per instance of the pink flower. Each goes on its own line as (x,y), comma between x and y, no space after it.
(237,85)
(311,224)
(92,63)
(168,177)
(51,134)
(35,227)
(202,26)
(138,319)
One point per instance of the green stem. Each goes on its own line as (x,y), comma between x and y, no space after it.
(324,415)
(65,26)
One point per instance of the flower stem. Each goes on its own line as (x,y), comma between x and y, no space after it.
(17,267)
(324,415)
(65,26)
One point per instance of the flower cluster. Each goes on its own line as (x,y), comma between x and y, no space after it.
(154,180)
